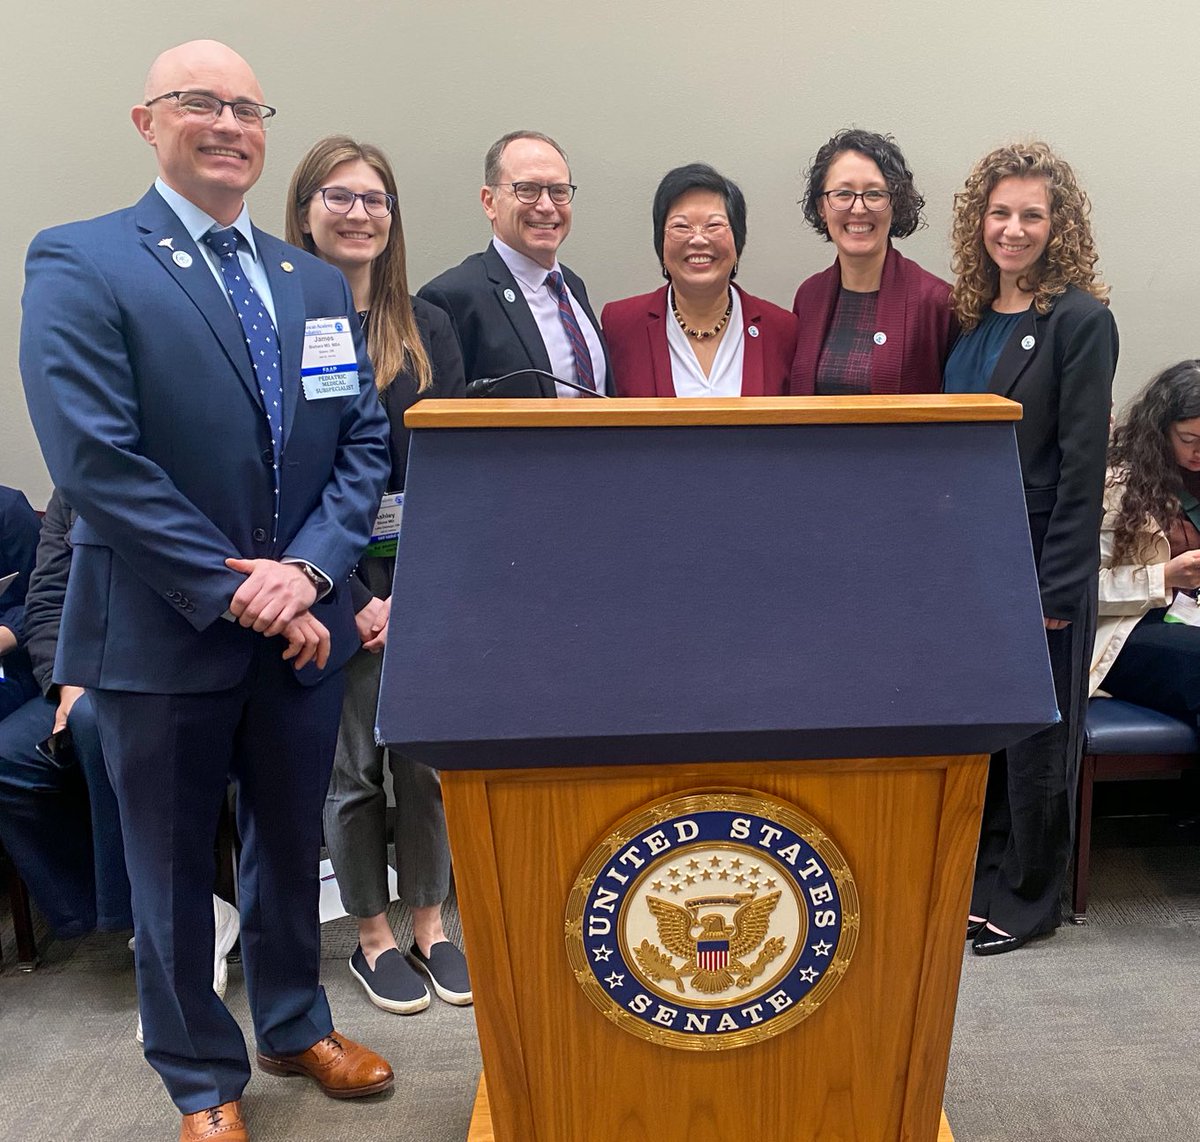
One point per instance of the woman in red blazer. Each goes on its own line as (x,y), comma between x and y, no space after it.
(699,335)
(874,322)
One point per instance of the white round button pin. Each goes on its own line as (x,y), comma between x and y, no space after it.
(752,330)
(182,259)
(509,295)
(880,338)
(1028,341)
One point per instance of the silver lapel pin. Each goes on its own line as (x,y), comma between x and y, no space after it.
(167,242)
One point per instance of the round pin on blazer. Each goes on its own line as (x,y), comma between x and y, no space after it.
(752,330)
(880,338)
(287,267)
(1028,341)
(182,259)
(509,295)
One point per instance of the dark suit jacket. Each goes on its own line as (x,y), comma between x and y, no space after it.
(437,335)
(142,395)
(635,329)
(913,311)
(18,545)
(48,590)
(1063,381)
(496,335)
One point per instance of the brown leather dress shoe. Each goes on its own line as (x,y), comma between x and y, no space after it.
(219,1123)
(341,1067)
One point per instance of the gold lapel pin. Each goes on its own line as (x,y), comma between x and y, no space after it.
(287,267)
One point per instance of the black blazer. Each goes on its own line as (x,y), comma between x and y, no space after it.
(1060,366)
(498,335)
(437,335)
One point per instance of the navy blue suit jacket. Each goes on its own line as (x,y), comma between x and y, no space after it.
(141,391)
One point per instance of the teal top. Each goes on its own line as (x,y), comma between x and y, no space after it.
(972,360)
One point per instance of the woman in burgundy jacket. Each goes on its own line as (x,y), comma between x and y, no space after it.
(874,322)
(699,335)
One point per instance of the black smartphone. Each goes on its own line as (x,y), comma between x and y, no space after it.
(58,749)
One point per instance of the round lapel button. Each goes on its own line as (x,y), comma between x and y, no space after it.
(880,338)
(182,259)
(1028,341)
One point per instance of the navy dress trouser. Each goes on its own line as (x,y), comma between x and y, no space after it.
(170,757)
(60,824)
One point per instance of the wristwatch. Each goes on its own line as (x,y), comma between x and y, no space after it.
(314,577)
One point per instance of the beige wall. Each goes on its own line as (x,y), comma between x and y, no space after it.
(630,89)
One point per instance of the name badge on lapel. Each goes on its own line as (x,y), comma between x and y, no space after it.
(329,367)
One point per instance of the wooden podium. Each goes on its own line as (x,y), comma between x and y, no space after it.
(611,614)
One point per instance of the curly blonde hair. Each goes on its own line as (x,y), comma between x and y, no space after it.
(1070,256)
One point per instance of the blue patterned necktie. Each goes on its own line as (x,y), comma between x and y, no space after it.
(262,341)
(257,327)
(579,349)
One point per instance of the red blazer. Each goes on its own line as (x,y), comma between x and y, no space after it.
(635,331)
(913,312)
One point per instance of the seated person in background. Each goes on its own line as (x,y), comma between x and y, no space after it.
(515,306)
(1147,647)
(699,335)
(874,322)
(18,542)
(58,813)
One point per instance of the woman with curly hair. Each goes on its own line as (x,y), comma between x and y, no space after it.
(874,322)
(1036,328)
(1147,650)
(342,207)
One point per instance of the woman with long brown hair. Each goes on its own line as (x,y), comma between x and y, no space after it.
(342,207)
(1148,637)
(1036,328)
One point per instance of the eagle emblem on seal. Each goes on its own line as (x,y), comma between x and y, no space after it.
(713,950)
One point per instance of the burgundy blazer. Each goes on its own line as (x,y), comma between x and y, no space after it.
(635,330)
(913,313)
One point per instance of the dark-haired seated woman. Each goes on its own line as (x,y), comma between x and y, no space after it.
(874,322)
(699,335)
(1148,636)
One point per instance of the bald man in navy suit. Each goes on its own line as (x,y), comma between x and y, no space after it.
(222,505)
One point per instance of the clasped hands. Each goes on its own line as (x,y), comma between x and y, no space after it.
(275,600)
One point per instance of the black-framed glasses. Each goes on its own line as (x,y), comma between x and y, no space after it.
(529,192)
(340,200)
(199,105)
(873,200)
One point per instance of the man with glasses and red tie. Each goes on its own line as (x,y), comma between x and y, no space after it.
(203,399)
(514,307)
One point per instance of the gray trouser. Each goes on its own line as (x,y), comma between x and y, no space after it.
(356,809)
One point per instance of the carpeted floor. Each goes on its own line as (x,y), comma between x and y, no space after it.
(1092,1033)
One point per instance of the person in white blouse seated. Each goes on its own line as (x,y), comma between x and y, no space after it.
(699,335)
(1147,648)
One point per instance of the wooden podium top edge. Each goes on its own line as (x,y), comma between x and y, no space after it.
(925,408)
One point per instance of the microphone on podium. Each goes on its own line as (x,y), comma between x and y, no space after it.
(495,386)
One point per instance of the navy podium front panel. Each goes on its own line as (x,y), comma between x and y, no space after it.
(579,596)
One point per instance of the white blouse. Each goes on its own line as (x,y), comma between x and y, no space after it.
(725,379)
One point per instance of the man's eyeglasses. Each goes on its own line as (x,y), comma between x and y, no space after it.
(198,105)
(529,192)
(873,200)
(339,200)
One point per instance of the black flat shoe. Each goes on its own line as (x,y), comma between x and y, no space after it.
(974,927)
(989,943)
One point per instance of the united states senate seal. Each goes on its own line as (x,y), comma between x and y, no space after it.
(712,920)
